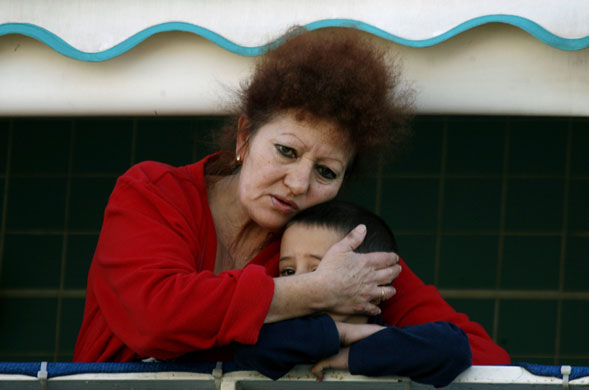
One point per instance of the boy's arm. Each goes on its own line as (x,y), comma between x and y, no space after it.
(417,303)
(432,353)
(282,345)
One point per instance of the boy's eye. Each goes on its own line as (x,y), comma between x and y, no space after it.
(287,272)
(286,151)
(326,173)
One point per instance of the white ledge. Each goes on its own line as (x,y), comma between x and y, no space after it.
(477,377)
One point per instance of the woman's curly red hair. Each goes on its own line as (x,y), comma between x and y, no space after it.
(335,75)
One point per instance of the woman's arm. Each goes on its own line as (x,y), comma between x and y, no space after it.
(345,282)
(151,289)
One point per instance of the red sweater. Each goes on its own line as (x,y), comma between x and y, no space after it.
(152,291)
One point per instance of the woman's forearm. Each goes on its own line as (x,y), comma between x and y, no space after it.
(296,296)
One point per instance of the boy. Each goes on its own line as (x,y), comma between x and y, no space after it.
(431,353)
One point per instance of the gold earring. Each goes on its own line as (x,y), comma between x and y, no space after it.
(238,158)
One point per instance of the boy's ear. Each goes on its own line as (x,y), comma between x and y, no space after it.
(243,135)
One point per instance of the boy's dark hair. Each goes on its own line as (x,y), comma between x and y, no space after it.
(344,217)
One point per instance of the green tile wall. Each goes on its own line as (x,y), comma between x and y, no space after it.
(492,210)
(531,262)
(459,253)
(4,126)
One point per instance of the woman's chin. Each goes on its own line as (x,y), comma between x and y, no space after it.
(273,222)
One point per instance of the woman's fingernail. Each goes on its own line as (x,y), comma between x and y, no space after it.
(361,228)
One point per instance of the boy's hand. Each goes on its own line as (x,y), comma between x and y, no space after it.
(350,333)
(339,361)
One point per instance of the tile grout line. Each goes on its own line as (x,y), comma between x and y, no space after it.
(523,357)
(378,198)
(386,176)
(33,232)
(402,175)
(26,354)
(6,187)
(501,238)
(50,232)
(440,215)
(64,176)
(487,233)
(134,134)
(68,192)
(520,357)
(563,242)
(544,295)
(41,293)
(195,132)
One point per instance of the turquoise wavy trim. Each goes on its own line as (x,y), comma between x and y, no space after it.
(59,45)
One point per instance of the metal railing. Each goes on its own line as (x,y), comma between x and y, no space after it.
(475,378)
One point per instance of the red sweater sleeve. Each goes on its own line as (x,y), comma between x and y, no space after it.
(416,303)
(151,282)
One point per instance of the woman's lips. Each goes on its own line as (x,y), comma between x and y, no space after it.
(284,205)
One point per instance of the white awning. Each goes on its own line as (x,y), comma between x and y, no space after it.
(461,56)
(100,30)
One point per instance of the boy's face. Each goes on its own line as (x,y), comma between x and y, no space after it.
(303,246)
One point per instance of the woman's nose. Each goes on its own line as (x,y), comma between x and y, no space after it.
(298,177)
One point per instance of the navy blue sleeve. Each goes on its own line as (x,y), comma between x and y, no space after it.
(282,345)
(433,353)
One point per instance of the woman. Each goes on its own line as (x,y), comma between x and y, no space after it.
(187,256)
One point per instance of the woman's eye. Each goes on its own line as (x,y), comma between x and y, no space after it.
(326,173)
(286,151)
(287,272)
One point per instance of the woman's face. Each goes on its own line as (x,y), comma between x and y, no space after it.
(288,166)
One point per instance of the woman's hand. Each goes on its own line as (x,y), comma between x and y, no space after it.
(355,282)
(344,283)
(338,361)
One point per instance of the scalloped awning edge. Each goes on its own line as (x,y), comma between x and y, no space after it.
(64,48)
